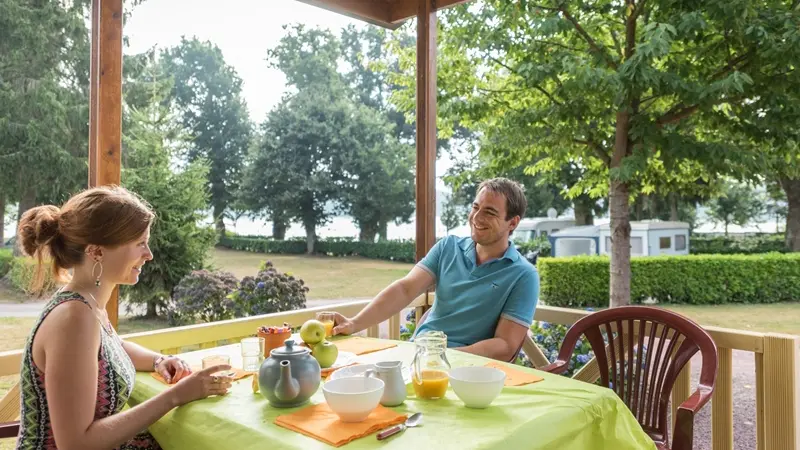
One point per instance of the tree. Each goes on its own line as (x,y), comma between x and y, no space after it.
(738,205)
(619,88)
(455,213)
(177,195)
(208,93)
(44,69)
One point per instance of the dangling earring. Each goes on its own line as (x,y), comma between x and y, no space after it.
(97,280)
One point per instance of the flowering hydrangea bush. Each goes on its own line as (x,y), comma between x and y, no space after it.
(407,330)
(549,338)
(202,295)
(270,291)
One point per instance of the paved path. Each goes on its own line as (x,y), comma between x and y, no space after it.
(744,399)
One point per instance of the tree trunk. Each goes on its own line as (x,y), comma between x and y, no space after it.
(26,202)
(582,207)
(278,230)
(639,207)
(2,219)
(673,207)
(367,231)
(620,282)
(620,268)
(311,235)
(383,231)
(219,214)
(152,312)
(792,189)
(726,228)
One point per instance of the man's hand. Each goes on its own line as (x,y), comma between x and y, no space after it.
(343,325)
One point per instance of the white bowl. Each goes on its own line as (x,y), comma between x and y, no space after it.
(477,387)
(353,398)
(350,371)
(359,369)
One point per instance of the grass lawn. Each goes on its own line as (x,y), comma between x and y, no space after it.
(774,318)
(326,277)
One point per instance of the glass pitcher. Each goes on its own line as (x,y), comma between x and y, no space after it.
(430,367)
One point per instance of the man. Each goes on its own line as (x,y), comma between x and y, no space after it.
(486,293)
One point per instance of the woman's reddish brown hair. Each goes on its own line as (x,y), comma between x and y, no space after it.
(107,216)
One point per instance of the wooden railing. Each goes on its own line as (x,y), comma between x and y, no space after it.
(777,366)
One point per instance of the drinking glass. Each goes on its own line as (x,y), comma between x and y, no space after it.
(328,319)
(252,353)
(218,360)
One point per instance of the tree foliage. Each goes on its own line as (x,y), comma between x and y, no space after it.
(44,70)
(621,89)
(179,196)
(208,93)
(738,205)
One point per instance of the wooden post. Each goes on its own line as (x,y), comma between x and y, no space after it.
(426,127)
(681,390)
(781,396)
(105,105)
(722,402)
(760,439)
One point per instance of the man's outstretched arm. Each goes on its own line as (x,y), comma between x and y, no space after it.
(387,303)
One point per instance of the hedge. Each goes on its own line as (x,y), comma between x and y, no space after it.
(693,279)
(402,251)
(747,245)
(6,257)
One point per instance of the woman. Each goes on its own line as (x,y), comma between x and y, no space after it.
(77,374)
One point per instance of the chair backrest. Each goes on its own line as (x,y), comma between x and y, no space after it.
(640,352)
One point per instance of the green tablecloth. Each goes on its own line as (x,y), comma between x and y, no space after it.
(557,413)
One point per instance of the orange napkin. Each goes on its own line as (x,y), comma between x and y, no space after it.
(515,377)
(321,423)
(362,346)
(238,374)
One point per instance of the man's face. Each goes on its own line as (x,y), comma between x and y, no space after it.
(487,220)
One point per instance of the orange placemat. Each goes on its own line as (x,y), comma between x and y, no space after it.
(321,423)
(515,377)
(362,346)
(238,374)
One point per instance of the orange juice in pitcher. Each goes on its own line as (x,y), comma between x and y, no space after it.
(430,367)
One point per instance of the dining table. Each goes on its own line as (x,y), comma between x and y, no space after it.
(555,413)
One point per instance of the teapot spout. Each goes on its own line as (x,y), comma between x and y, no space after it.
(287,388)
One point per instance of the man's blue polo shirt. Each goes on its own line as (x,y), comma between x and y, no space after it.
(471,299)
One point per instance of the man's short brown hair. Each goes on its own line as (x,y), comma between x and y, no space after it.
(516,203)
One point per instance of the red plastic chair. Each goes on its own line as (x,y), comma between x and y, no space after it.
(650,348)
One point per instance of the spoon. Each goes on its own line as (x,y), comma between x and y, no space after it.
(412,421)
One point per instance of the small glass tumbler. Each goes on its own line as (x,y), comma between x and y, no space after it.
(328,319)
(218,360)
(252,353)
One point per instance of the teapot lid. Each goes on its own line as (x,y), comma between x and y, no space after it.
(290,349)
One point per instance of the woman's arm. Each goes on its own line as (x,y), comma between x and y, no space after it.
(70,339)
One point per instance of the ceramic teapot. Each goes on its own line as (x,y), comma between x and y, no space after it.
(290,376)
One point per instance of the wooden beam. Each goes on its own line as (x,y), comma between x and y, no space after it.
(426,128)
(403,10)
(376,12)
(105,105)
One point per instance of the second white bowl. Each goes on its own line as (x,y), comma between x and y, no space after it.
(476,386)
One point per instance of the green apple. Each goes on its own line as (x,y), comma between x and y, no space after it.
(312,332)
(326,353)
